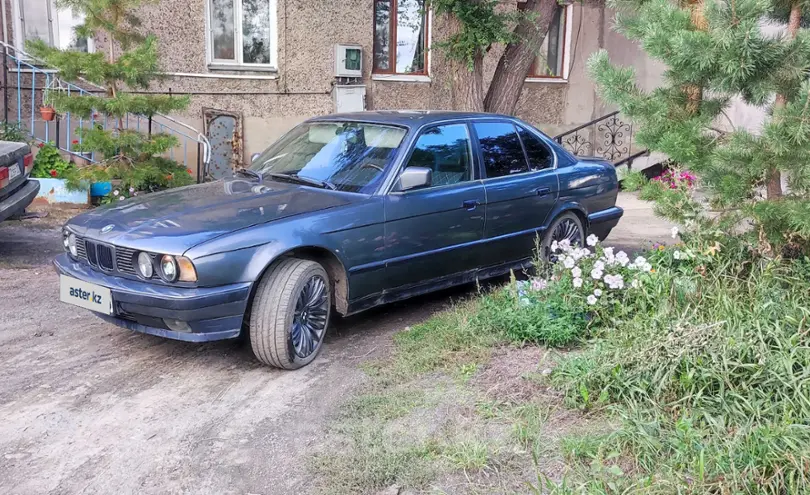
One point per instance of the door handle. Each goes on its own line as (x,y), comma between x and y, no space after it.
(471,204)
(542,191)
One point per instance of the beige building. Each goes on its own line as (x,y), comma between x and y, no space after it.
(255,68)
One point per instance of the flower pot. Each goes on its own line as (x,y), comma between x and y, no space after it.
(48,113)
(98,189)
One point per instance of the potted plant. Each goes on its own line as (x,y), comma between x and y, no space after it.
(59,179)
(48,113)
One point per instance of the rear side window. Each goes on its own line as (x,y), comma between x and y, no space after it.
(444,149)
(500,149)
(538,153)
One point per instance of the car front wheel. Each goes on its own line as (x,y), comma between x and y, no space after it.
(290,314)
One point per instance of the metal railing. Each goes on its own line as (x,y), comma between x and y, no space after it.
(25,78)
(606,137)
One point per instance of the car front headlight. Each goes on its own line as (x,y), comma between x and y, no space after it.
(71,245)
(168,268)
(145,268)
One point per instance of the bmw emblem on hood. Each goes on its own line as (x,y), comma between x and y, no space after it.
(107,228)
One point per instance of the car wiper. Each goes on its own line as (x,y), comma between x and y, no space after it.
(301,179)
(249,173)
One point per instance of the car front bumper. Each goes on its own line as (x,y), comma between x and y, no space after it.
(211,313)
(19,200)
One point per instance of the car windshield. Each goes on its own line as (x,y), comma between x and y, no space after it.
(347,156)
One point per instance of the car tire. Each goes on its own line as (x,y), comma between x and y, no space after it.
(566,226)
(292,302)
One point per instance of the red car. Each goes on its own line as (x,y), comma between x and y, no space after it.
(16,191)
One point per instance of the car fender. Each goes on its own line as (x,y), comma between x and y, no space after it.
(567,206)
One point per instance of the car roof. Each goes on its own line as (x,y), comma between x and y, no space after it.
(407,118)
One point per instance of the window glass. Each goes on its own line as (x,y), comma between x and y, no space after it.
(35,18)
(500,149)
(255,31)
(538,153)
(222,29)
(351,156)
(446,151)
(407,54)
(68,21)
(549,61)
(411,30)
(382,35)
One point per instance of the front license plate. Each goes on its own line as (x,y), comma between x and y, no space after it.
(84,294)
(13,171)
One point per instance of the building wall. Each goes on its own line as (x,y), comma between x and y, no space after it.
(271,103)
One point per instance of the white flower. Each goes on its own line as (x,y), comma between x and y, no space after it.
(591,299)
(599,265)
(674,232)
(576,272)
(115,192)
(596,274)
(539,284)
(565,245)
(622,259)
(676,255)
(569,262)
(636,283)
(608,252)
(585,252)
(646,267)
(577,282)
(592,240)
(121,198)
(554,246)
(132,189)
(597,292)
(614,281)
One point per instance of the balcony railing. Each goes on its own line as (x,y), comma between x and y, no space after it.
(25,79)
(606,137)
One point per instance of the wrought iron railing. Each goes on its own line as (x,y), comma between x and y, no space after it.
(24,80)
(606,137)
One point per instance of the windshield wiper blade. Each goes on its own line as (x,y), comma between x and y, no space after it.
(301,179)
(250,173)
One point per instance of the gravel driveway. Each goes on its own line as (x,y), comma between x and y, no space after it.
(87,407)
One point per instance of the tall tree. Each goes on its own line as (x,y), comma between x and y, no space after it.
(716,51)
(475,26)
(130,62)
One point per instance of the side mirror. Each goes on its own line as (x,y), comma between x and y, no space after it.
(254,156)
(415,177)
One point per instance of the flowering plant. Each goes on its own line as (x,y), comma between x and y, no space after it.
(674,179)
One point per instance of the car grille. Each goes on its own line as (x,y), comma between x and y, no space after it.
(106,257)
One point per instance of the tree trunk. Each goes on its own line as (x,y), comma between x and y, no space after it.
(516,61)
(694,93)
(468,83)
(773,186)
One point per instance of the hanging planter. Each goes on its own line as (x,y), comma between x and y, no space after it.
(47,112)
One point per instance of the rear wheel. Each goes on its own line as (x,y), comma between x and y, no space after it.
(290,314)
(568,227)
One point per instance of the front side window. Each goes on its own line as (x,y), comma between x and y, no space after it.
(55,25)
(550,58)
(500,149)
(400,37)
(445,150)
(242,32)
(347,156)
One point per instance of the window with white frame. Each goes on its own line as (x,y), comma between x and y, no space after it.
(551,61)
(43,20)
(242,32)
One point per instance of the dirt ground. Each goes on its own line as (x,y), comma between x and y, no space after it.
(87,407)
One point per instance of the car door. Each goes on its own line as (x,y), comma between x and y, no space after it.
(521,188)
(433,232)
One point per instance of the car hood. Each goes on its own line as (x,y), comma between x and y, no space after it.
(175,220)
